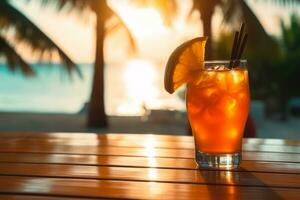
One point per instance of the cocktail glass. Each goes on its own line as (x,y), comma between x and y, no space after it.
(218,106)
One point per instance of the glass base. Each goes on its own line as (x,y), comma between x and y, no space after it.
(218,161)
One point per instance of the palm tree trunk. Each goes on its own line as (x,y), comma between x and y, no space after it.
(206,18)
(96,115)
(206,13)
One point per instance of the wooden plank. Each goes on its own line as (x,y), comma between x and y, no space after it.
(271,148)
(124,161)
(273,141)
(86,150)
(103,142)
(153,143)
(113,136)
(160,141)
(37,197)
(15,134)
(151,174)
(138,137)
(6,138)
(98,136)
(165,138)
(137,190)
(145,152)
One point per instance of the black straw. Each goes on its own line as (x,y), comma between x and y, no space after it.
(238,46)
(234,47)
(242,46)
(242,29)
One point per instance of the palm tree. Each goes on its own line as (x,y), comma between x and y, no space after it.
(288,68)
(104,14)
(232,10)
(27,31)
(14,23)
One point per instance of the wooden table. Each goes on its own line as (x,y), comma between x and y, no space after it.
(126,166)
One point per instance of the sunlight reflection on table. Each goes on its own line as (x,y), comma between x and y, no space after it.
(43,185)
(149,145)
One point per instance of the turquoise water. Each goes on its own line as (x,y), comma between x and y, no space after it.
(128,88)
(52,90)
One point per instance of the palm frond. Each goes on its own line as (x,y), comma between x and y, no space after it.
(106,13)
(230,10)
(203,6)
(257,33)
(236,11)
(68,5)
(14,60)
(286,2)
(290,35)
(28,33)
(166,8)
(119,23)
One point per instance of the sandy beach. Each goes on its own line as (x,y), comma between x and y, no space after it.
(38,122)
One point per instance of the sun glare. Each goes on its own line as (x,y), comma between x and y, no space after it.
(139,78)
(141,21)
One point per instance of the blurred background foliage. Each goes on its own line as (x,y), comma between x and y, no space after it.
(288,68)
(274,69)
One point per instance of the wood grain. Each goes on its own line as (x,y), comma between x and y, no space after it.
(151,174)
(107,136)
(125,161)
(144,152)
(137,190)
(36,197)
(139,137)
(54,166)
(144,143)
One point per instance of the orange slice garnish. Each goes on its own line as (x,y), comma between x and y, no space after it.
(185,64)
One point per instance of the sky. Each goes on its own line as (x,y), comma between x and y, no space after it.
(76,36)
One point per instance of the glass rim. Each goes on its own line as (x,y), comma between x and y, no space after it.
(222,61)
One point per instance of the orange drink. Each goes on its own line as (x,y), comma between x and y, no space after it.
(218,105)
(217,100)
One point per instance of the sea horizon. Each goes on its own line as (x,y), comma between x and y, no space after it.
(53,91)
